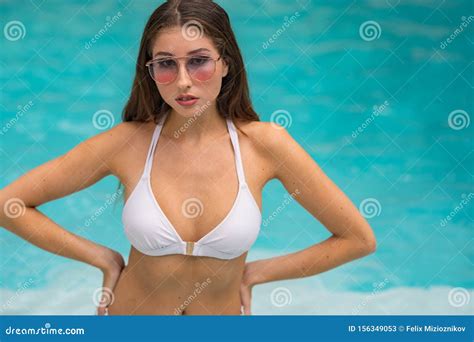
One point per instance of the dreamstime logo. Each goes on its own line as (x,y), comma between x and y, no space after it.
(286,24)
(457,31)
(17,294)
(14,30)
(102,297)
(103,119)
(110,200)
(192,208)
(21,111)
(377,110)
(192,30)
(109,22)
(288,198)
(377,287)
(14,208)
(281,119)
(46,330)
(464,202)
(370,207)
(280,297)
(199,287)
(458,297)
(458,119)
(370,30)
(177,133)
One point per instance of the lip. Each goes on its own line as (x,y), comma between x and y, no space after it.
(186,95)
(189,102)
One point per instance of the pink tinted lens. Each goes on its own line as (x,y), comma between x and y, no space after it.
(164,71)
(165,76)
(201,69)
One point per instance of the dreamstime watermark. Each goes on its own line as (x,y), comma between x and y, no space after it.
(286,24)
(281,119)
(459,296)
(14,30)
(281,296)
(103,297)
(464,24)
(464,202)
(376,289)
(109,22)
(192,30)
(24,286)
(103,119)
(110,200)
(14,207)
(177,133)
(46,330)
(12,122)
(377,110)
(288,199)
(370,207)
(458,119)
(199,287)
(192,208)
(370,30)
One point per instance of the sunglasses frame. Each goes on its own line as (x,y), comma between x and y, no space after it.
(150,63)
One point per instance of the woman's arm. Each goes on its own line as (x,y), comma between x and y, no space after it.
(79,168)
(352,237)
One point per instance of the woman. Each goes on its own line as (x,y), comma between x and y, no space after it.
(193,158)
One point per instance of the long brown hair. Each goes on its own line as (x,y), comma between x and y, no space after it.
(233,101)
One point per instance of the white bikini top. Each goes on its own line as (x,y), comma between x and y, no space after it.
(150,231)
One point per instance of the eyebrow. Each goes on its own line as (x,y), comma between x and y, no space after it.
(164,53)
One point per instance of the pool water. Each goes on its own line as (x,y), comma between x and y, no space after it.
(378,93)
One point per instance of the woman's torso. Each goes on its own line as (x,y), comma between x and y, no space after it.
(183,284)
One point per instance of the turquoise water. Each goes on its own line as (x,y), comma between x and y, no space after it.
(325,75)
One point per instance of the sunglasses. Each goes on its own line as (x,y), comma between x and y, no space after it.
(164,70)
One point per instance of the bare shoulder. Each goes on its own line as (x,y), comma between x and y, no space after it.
(268,134)
(270,137)
(108,142)
(123,130)
(269,140)
(123,141)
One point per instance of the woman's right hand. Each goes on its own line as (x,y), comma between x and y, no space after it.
(111,271)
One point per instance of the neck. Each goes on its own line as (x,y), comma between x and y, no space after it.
(194,129)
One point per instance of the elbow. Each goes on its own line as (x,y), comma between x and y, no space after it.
(369,244)
(361,246)
(367,240)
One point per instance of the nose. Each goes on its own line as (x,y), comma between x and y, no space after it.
(183,79)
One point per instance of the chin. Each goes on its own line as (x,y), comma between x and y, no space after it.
(188,113)
(195,110)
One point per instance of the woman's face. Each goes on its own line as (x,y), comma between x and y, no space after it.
(173,42)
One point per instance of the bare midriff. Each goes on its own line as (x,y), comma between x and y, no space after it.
(178,285)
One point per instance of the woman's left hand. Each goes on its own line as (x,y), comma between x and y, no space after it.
(111,273)
(246,289)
